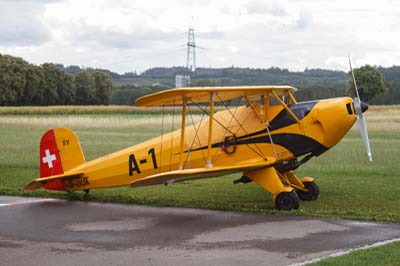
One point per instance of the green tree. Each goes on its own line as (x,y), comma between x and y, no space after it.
(85,89)
(51,76)
(203,83)
(103,86)
(123,95)
(65,88)
(58,87)
(18,71)
(370,83)
(12,79)
(33,90)
(127,94)
(5,89)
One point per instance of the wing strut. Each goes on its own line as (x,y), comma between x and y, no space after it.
(172,137)
(162,134)
(210,128)
(285,106)
(183,127)
(292,98)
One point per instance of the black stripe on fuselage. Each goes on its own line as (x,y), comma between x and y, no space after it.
(297,144)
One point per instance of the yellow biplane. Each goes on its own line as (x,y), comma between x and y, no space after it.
(266,136)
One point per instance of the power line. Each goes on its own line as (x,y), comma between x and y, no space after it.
(129,58)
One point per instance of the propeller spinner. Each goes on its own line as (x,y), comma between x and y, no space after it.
(360,108)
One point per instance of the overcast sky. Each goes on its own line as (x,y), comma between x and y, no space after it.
(134,35)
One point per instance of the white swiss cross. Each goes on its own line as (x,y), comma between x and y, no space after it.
(49,158)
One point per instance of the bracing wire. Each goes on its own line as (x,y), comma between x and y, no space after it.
(216,156)
(207,113)
(259,152)
(196,130)
(272,142)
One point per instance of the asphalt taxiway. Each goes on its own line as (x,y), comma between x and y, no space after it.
(45,232)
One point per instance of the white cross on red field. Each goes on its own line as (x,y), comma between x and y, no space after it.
(49,158)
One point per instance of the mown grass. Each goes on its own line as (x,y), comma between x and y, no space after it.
(64,110)
(90,109)
(351,187)
(388,255)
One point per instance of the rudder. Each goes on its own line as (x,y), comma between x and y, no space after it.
(60,151)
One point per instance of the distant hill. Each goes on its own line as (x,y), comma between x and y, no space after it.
(312,83)
(224,76)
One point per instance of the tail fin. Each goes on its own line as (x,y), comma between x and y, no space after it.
(60,151)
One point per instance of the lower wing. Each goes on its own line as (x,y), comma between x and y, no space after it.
(197,173)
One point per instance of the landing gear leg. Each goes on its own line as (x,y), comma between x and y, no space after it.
(86,196)
(284,198)
(306,188)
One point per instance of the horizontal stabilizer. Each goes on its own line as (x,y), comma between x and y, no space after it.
(40,182)
(195,173)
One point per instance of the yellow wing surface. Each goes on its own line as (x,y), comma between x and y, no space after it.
(196,173)
(202,94)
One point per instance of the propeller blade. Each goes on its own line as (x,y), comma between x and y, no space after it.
(360,117)
(364,134)
(354,81)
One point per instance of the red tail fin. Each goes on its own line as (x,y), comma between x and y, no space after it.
(50,160)
(60,152)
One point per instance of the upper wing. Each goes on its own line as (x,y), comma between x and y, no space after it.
(202,94)
(181,175)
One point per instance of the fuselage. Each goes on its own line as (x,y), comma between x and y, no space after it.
(239,134)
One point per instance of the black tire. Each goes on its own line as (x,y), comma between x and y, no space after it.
(287,201)
(311,194)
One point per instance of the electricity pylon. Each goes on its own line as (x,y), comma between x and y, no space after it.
(191,51)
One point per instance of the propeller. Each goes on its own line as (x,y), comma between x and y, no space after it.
(360,107)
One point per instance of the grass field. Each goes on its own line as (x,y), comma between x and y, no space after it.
(351,187)
(388,255)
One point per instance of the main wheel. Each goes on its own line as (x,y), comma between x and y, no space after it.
(287,201)
(312,192)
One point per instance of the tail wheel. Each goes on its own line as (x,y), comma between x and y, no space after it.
(287,201)
(312,192)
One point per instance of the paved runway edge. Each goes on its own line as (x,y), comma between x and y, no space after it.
(68,232)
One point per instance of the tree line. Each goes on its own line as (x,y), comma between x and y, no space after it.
(22,83)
